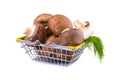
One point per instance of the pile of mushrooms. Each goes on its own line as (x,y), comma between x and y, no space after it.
(56,29)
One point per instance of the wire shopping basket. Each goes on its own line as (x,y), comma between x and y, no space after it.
(55,54)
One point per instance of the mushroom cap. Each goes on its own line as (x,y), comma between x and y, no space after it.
(71,37)
(42,18)
(51,39)
(59,23)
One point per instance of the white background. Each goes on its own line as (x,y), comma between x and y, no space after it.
(104,16)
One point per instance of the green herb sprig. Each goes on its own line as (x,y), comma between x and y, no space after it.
(97,45)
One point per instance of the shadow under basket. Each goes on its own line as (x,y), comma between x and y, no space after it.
(54,54)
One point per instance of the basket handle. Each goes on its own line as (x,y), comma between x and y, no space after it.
(21,39)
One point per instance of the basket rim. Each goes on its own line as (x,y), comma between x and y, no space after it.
(53,45)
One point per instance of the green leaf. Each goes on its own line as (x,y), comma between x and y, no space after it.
(97,45)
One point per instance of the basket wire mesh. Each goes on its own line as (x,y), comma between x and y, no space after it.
(55,54)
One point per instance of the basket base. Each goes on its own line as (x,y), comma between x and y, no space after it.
(54,61)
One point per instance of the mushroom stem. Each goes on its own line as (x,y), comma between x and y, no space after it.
(66,29)
(29,31)
(86,24)
(80,25)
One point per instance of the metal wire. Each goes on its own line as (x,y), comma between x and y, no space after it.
(55,54)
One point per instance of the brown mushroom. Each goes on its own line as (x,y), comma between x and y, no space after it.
(37,34)
(51,39)
(58,23)
(71,37)
(42,18)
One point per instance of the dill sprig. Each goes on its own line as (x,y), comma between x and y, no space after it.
(97,45)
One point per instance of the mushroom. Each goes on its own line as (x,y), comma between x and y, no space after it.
(43,19)
(58,24)
(71,37)
(37,32)
(84,27)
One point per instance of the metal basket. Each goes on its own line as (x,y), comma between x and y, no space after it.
(55,54)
